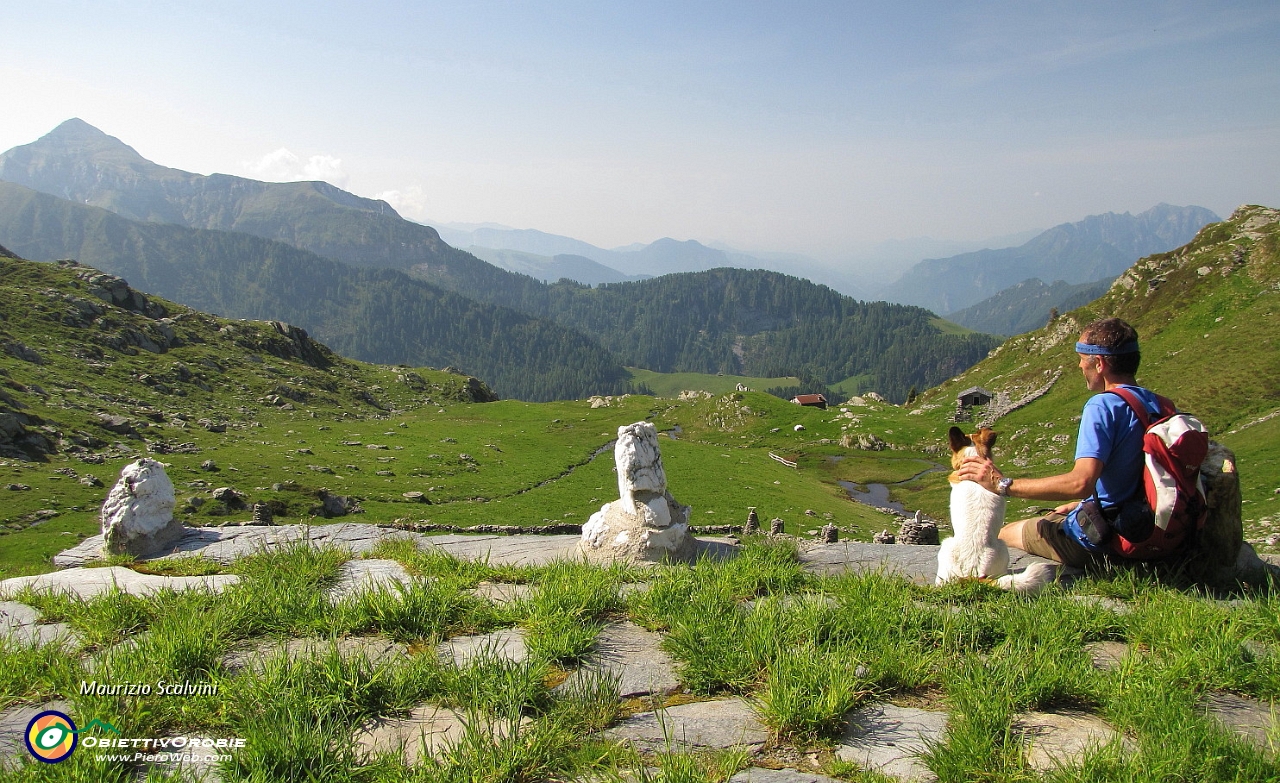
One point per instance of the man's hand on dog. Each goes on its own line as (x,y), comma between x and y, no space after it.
(980,470)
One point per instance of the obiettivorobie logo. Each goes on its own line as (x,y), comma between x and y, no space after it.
(51,736)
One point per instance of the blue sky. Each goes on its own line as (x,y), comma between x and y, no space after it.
(819,128)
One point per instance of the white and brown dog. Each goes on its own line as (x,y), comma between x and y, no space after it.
(977,514)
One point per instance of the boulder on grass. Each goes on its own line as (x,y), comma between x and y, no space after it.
(137,516)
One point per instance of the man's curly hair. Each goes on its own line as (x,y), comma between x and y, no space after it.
(1112,333)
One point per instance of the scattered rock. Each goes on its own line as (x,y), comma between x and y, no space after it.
(1057,739)
(332,505)
(507,644)
(88,582)
(21,623)
(137,516)
(227,495)
(634,657)
(725,723)
(501,593)
(253,655)
(120,425)
(766,775)
(416,497)
(1252,720)
(1107,655)
(209,466)
(889,739)
(23,352)
(357,576)
(427,731)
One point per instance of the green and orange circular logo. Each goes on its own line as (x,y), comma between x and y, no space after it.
(51,736)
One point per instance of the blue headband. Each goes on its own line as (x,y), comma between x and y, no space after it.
(1102,350)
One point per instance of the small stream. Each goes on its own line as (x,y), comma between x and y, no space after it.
(877,495)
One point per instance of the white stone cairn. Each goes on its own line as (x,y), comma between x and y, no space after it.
(137,516)
(646,523)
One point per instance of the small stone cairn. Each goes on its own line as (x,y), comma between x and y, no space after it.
(918,531)
(829,534)
(753,523)
(262,514)
(137,516)
(645,524)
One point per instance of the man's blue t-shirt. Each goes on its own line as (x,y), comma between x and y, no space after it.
(1112,434)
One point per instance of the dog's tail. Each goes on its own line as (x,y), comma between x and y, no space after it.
(1035,577)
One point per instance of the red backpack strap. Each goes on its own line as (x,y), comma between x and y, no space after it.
(1136,405)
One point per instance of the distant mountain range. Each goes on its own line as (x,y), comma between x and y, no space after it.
(1096,248)
(1027,306)
(1080,258)
(287,251)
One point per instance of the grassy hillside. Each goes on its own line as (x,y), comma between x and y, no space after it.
(87,385)
(670,384)
(379,315)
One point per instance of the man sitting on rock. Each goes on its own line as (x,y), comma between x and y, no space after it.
(1109,455)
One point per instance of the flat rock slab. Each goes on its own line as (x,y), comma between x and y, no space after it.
(501,593)
(507,644)
(21,624)
(228,544)
(13,729)
(1107,655)
(1061,739)
(426,733)
(889,739)
(88,582)
(726,723)
(1254,721)
(359,576)
(765,775)
(379,650)
(632,655)
(506,550)
(919,563)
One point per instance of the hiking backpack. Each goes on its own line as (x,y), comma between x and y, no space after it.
(1173,444)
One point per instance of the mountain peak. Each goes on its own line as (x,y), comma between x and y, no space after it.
(77,137)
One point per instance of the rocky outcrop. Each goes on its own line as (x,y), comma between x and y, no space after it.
(645,524)
(137,516)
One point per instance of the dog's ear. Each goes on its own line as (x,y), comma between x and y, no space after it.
(958,439)
(985,440)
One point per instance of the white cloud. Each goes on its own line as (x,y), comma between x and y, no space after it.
(284,166)
(411,202)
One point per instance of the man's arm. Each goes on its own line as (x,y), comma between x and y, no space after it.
(1065,486)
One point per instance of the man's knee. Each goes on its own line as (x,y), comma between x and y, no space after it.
(1011,534)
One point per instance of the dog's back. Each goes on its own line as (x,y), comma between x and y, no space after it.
(976,517)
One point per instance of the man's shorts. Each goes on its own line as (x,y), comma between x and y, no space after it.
(1045,536)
